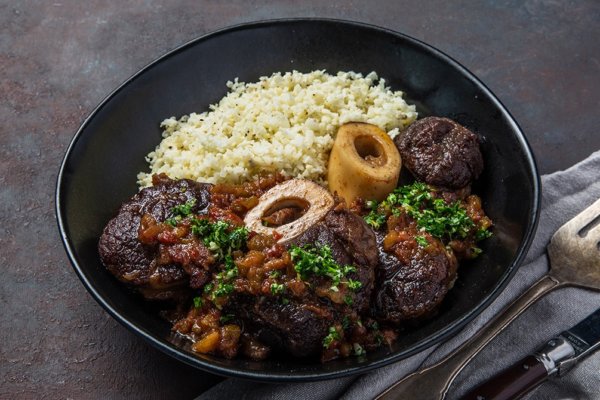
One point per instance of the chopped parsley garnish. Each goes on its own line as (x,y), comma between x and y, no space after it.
(375,219)
(432,214)
(358,350)
(172,221)
(222,289)
(208,287)
(198,302)
(348,300)
(200,227)
(354,285)
(443,220)
(275,273)
(230,270)
(221,239)
(184,209)
(331,337)
(218,236)
(475,251)
(482,233)
(238,237)
(318,260)
(346,269)
(277,288)
(422,241)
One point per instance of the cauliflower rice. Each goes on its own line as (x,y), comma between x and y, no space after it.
(285,122)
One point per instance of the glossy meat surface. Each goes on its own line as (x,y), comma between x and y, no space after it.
(441,152)
(136,263)
(412,279)
(299,324)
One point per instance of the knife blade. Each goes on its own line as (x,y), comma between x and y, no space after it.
(557,356)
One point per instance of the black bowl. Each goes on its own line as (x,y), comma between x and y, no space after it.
(99,170)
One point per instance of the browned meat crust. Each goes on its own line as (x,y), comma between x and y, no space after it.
(441,152)
(135,263)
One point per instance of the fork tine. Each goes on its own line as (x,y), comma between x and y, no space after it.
(583,218)
(594,234)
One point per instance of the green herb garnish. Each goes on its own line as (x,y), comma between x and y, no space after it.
(422,241)
(432,214)
(208,287)
(331,337)
(475,251)
(375,219)
(358,350)
(184,209)
(348,300)
(218,236)
(230,270)
(275,273)
(237,238)
(354,285)
(172,221)
(200,227)
(277,288)
(443,220)
(198,302)
(222,289)
(482,233)
(318,260)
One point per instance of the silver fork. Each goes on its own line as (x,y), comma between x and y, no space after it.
(574,253)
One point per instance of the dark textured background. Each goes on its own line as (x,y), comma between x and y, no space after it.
(59,59)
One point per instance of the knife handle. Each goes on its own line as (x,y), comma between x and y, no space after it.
(511,383)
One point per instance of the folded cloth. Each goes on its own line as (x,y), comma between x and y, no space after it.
(564,195)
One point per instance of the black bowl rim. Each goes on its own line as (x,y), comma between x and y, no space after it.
(285,376)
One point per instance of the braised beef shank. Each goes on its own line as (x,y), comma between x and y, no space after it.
(441,152)
(299,324)
(412,280)
(136,263)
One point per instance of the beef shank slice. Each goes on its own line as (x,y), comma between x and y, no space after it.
(414,287)
(298,325)
(352,242)
(135,263)
(296,328)
(441,152)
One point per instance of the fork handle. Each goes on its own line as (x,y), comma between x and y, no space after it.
(433,382)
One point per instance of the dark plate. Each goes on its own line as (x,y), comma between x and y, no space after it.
(99,170)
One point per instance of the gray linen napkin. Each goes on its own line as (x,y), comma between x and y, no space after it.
(564,195)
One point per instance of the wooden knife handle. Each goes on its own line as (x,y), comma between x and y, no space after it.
(511,383)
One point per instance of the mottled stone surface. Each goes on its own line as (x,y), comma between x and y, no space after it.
(58,59)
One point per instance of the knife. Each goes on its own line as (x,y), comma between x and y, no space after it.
(556,357)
